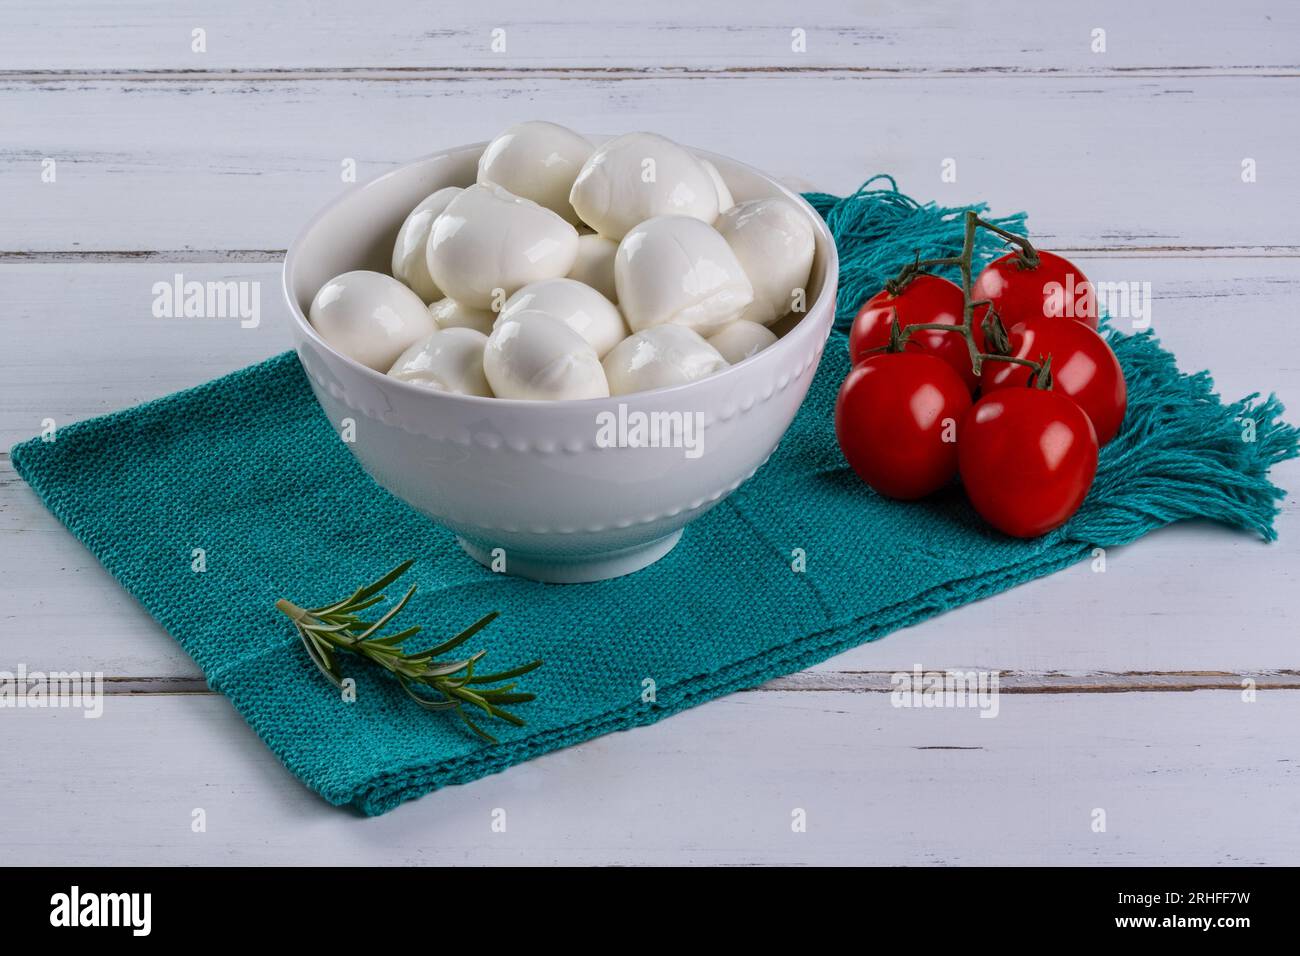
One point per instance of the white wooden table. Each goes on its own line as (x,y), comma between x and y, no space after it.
(1126,685)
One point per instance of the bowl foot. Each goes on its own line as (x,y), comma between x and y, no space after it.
(598,567)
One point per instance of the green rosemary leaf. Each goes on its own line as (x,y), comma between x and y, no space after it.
(383,582)
(449,684)
(511,699)
(321,628)
(477,729)
(519,671)
(451,667)
(322,657)
(490,693)
(401,666)
(388,615)
(469,696)
(393,639)
(463,636)
(424,659)
(508,717)
(361,606)
(334,608)
(428,655)
(425,702)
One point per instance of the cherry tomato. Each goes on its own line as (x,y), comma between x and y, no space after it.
(1027,458)
(1055,289)
(1083,368)
(924,300)
(897,417)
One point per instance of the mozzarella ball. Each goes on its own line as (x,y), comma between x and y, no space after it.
(578,306)
(538,161)
(774,242)
(680,270)
(409,263)
(488,239)
(659,357)
(369,317)
(447,361)
(540,358)
(725,201)
(595,265)
(738,340)
(450,314)
(638,176)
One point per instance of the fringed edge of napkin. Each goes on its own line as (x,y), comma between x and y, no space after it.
(1182,453)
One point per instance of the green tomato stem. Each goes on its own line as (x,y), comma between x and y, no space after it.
(965,263)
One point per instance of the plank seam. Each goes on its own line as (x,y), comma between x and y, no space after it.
(221,256)
(882,682)
(623,73)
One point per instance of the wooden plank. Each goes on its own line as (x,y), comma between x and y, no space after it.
(90,343)
(886,36)
(200,165)
(1022,682)
(1192,779)
(830,677)
(1190,598)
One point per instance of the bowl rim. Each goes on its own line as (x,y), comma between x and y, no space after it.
(772,353)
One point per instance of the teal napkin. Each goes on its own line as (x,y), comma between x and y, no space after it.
(248,469)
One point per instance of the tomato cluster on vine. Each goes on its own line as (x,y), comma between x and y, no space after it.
(1004,382)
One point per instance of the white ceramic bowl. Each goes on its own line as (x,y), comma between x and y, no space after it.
(535,479)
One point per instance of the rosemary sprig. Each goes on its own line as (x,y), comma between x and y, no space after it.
(339,627)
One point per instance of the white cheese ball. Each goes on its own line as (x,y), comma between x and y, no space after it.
(680,270)
(369,317)
(774,242)
(539,358)
(538,161)
(450,314)
(638,176)
(595,265)
(490,242)
(578,306)
(659,357)
(738,340)
(447,361)
(725,201)
(410,266)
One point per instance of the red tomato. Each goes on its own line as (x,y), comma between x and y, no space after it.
(897,417)
(1055,289)
(1027,458)
(924,300)
(1083,368)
